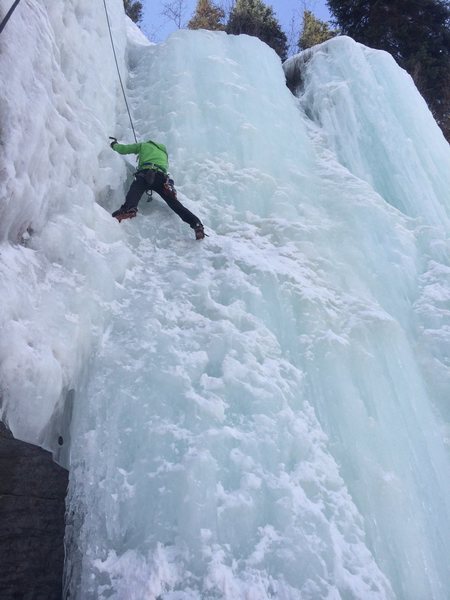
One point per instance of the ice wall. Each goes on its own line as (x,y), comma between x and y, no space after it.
(364,107)
(369,113)
(260,423)
(61,256)
(260,415)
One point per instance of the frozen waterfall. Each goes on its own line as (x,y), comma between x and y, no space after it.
(261,415)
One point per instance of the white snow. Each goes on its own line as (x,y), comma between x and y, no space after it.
(261,414)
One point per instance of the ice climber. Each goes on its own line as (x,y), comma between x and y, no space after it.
(152,174)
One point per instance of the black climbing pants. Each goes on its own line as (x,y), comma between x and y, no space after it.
(148,179)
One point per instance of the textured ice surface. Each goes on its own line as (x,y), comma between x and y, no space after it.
(277,436)
(365,109)
(61,256)
(262,414)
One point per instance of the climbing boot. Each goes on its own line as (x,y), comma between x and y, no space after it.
(121,214)
(199,232)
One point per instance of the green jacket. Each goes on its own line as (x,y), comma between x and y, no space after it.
(150,153)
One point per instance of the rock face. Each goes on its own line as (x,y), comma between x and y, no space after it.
(32,507)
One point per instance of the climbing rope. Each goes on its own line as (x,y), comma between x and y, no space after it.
(118,70)
(8,15)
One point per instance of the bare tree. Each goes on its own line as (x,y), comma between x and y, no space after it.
(175,11)
(293,33)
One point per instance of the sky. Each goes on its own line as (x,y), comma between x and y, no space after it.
(157,27)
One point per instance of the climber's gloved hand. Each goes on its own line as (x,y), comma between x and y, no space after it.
(114,141)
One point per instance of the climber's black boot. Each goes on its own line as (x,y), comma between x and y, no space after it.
(121,214)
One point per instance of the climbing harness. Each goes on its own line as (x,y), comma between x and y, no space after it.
(152,167)
(8,15)
(118,70)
